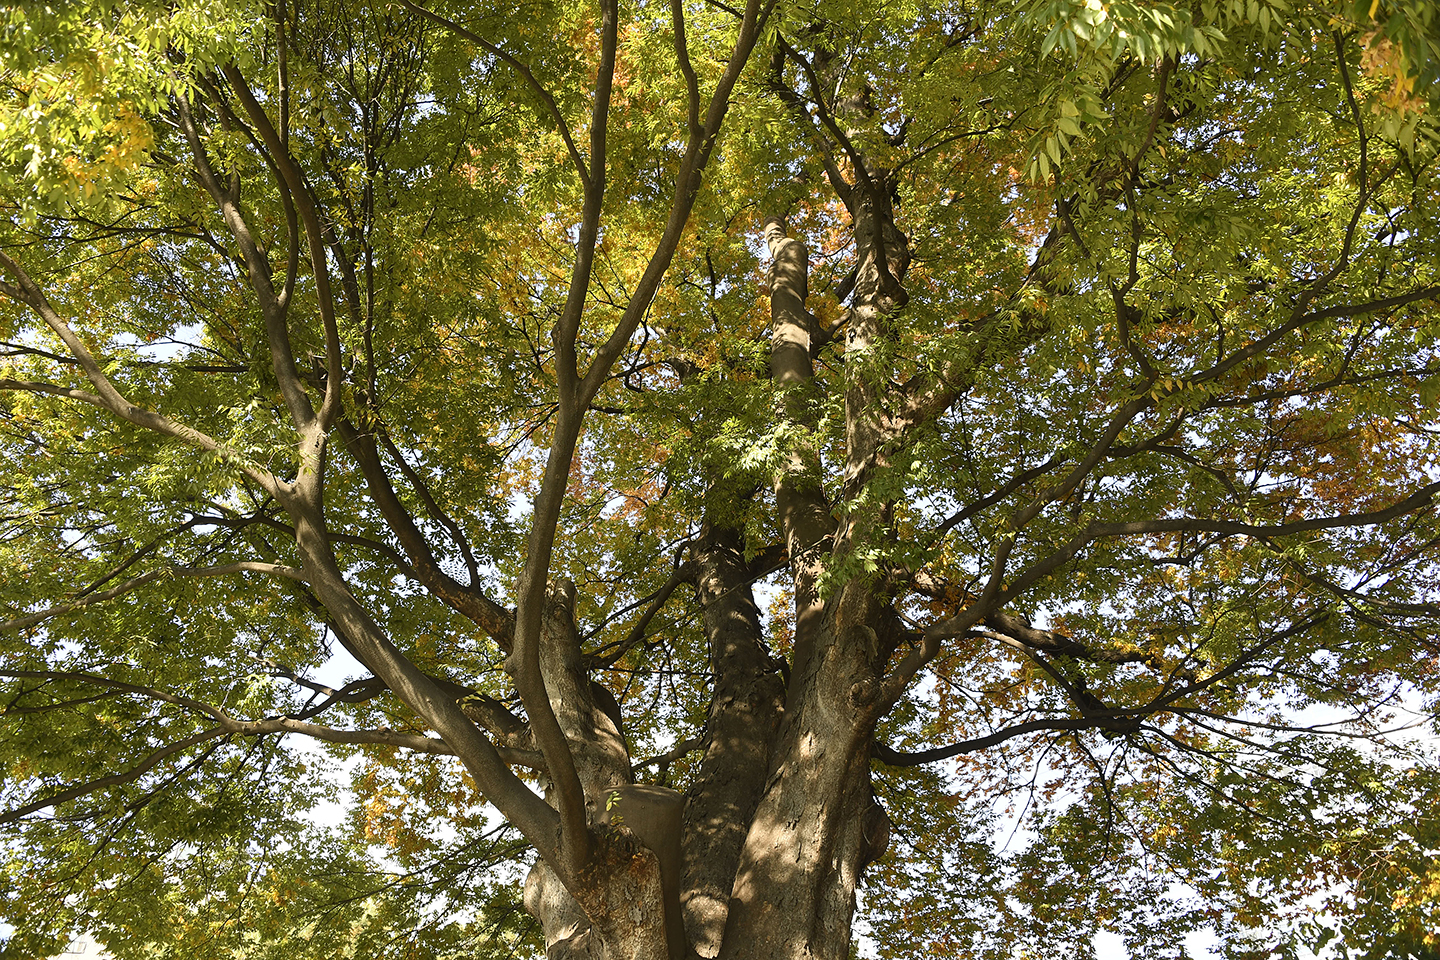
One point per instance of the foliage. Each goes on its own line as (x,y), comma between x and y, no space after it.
(1129,459)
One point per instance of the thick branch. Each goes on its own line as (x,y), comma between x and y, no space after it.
(804,512)
(1058,643)
(370,644)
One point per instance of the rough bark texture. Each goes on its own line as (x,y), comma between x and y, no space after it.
(794,890)
(799,501)
(745,712)
(618,903)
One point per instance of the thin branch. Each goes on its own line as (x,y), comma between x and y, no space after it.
(114,780)
(670,756)
(422,490)
(287,201)
(1417,501)
(682,58)
(174,571)
(1299,319)
(657,600)
(687,187)
(309,209)
(1010,486)
(895,758)
(282,354)
(510,60)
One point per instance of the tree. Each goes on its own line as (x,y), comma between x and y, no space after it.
(745,450)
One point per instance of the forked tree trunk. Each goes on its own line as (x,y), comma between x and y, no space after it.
(773,850)
(781,820)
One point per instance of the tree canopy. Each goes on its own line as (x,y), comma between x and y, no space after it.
(725,478)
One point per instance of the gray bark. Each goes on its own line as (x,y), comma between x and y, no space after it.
(743,717)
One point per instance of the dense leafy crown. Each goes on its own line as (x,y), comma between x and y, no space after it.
(1131,447)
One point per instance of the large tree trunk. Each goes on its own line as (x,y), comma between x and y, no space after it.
(794,893)
(743,717)
(813,830)
(782,820)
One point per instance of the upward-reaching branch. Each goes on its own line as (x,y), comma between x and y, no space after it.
(309,209)
(470,601)
(575,397)
(698,149)
(803,509)
(272,308)
(439,707)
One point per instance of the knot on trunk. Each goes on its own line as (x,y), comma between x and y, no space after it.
(874,833)
(562,594)
(864,693)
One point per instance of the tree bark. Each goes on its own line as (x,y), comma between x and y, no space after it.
(794,892)
(799,500)
(743,718)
